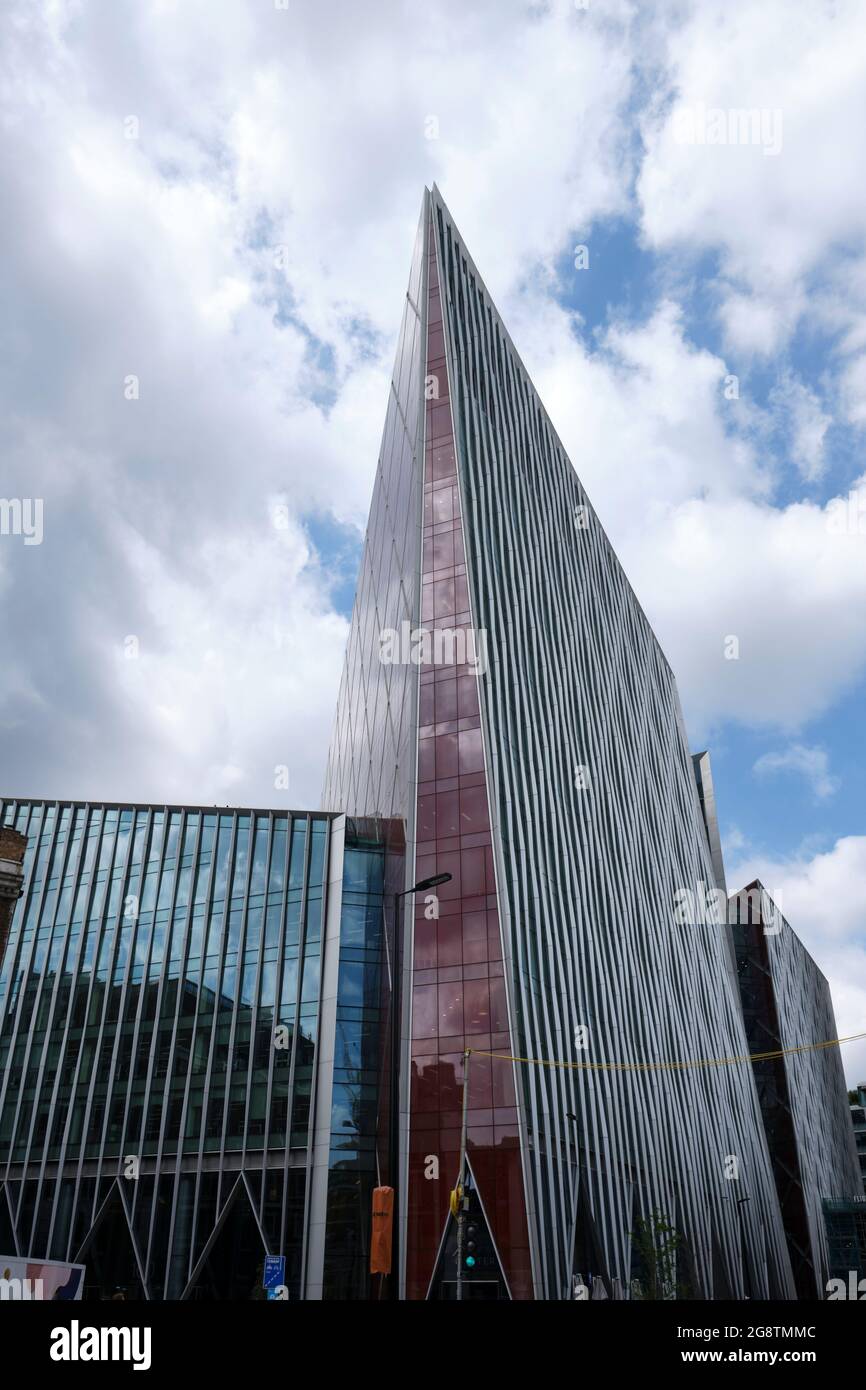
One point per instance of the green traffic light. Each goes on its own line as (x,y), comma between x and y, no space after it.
(470,1260)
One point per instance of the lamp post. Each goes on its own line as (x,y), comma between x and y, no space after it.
(744,1252)
(461,1181)
(394,1137)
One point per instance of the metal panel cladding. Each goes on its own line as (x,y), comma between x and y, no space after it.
(160,1010)
(598,835)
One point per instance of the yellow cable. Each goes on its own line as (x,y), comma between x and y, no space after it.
(665,1066)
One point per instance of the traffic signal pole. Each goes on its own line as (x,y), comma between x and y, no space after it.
(461,1181)
(394,1126)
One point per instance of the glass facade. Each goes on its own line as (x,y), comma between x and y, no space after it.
(787,1006)
(359,1125)
(160,1013)
(458,981)
(596,824)
(372,753)
(554,782)
(221,1029)
(845,1226)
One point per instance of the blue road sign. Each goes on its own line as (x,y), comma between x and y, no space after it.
(275,1271)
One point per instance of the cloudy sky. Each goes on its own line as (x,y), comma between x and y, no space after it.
(209,214)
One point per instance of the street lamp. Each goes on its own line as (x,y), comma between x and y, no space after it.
(425,883)
(744,1252)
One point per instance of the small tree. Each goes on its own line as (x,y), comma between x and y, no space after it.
(656,1242)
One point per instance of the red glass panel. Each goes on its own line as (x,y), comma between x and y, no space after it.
(441,551)
(450,941)
(426,828)
(425,1092)
(446,701)
(476,1008)
(424,1021)
(473,810)
(435,342)
(426,714)
(472,871)
(443,462)
(467,697)
(459,996)
(447,813)
(451,1009)
(446,756)
(426,945)
(427,759)
(443,505)
(471,750)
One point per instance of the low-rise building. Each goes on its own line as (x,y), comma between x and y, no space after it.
(191,1047)
(802,1093)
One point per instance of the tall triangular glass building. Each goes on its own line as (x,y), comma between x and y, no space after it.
(225,1033)
(508,714)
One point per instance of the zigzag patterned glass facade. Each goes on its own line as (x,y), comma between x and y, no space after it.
(594,826)
(372,755)
(163,1017)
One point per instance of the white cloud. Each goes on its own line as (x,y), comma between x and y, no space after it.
(804,421)
(782,581)
(641,412)
(684,485)
(234,671)
(771,220)
(245,256)
(733,840)
(305,131)
(811,763)
(758,324)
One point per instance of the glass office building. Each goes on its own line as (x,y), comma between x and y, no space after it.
(505,697)
(804,1103)
(220,1030)
(858,1120)
(845,1226)
(173,978)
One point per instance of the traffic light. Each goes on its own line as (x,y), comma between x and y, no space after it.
(471,1245)
(468,1260)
